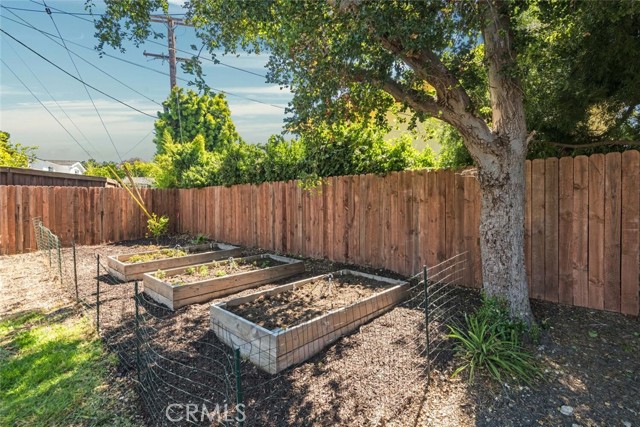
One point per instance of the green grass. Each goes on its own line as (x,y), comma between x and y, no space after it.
(53,371)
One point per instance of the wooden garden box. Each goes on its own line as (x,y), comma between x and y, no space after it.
(120,268)
(276,350)
(176,296)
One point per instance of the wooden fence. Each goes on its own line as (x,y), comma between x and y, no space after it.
(22,176)
(581,227)
(83,215)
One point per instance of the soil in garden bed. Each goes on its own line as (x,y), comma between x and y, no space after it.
(307,301)
(218,269)
(152,256)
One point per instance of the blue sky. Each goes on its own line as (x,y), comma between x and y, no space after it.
(128,132)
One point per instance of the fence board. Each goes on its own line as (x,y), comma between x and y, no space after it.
(4,238)
(630,233)
(580,242)
(565,228)
(551,229)
(278,226)
(612,218)
(414,249)
(596,231)
(527,219)
(420,185)
(536,289)
(433,219)
(19,226)
(11,219)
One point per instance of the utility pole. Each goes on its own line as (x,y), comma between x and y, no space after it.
(173,59)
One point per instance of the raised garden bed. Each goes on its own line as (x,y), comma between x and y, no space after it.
(182,286)
(132,266)
(286,325)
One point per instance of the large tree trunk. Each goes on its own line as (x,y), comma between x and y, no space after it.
(501,170)
(502,232)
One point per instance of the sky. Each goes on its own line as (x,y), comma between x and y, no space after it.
(98,125)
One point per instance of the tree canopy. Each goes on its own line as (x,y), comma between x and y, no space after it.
(188,114)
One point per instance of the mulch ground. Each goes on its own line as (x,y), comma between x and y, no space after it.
(372,377)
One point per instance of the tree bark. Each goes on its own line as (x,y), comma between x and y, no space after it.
(501,170)
(502,233)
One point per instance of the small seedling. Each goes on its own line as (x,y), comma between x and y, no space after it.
(203,270)
(220,273)
(161,274)
(232,263)
(593,334)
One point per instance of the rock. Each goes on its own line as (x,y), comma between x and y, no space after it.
(566,410)
(626,424)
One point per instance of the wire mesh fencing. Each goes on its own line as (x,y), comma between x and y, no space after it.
(192,368)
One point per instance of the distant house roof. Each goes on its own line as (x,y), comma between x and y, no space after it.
(64,166)
(63,162)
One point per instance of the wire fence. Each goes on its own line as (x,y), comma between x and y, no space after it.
(199,369)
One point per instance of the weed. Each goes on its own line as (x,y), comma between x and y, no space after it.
(200,239)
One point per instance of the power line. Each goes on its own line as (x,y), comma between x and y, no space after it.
(45,107)
(51,96)
(104,126)
(139,65)
(137,143)
(78,79)
(52,37)
(215,61)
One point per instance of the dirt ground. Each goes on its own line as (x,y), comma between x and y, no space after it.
(376,376)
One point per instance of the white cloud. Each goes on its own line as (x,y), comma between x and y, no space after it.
(30,124)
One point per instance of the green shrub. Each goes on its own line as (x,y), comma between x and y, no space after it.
(490,342)
(158,226)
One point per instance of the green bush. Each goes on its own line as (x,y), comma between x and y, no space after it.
(490,342)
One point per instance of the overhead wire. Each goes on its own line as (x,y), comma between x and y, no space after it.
(45,107)
(76,78)
(140,65)
(137,143)
(104,125)
(51,96)
(52,37)
(215,61)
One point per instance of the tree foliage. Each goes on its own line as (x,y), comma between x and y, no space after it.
(14,155)
(582,78)
(136,167)
(188,114)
